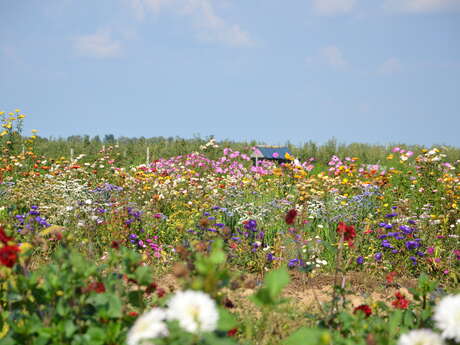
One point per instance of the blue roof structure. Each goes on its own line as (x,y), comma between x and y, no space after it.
(271,152)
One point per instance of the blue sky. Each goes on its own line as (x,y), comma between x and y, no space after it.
(371,71)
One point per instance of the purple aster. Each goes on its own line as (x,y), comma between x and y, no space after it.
(270,257)
(407,230)
(391,215)
(378,256)
(412,244)
(386,244)
(359,260)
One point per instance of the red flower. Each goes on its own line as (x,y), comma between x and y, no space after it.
(151,288)
(97,287)
(400,302)
(3,237)
(391,276)
(364,308)
(232,332)
(348,232)
(115,245)
(160,292)
(9,255)
(290,216)
(133,314)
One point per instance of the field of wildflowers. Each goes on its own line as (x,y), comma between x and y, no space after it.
(205,248)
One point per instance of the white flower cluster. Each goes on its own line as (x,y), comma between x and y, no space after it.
(211,143)
(194,310)
(447,319)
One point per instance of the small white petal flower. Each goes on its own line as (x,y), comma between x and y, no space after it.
(149,325)
(420,337)
(195,311)
(447,317)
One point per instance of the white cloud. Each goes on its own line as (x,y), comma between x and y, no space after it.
(390,66)
(97,45)
(209,26)
(331,7)
(422,6)
(333,56)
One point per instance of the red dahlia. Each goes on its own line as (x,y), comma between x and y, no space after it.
(400,302)
(348,232)
(9,255)
(290,216)
(364,308)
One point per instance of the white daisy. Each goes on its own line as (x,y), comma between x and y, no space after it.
(447,317)
(420,337)
(195,311)
(149,325)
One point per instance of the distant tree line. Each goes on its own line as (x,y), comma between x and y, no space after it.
(133,150)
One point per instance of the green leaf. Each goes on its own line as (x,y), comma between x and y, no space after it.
(69,328)
(394,322)
(115,306)
(226,320)
(308,336)
(143,275)
(95,336)
(275,281)
(136,298)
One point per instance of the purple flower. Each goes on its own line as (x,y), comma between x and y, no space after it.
(407,230)
(382,224)
(270,257)
(412,222)
(388,226)
(413,259)
(386,244)
(251,225)
(378,256)
(391,215)
(359,260)
(412,244)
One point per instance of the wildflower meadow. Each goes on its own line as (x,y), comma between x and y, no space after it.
(157,241)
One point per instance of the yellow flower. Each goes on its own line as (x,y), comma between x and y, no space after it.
(288,156)
(17,110)
(34,131)
(21,116)
(3,133)
(390,156)
(2,112)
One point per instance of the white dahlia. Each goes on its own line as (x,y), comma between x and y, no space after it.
(420,337)
(195,311)
(447,317)
(149,325)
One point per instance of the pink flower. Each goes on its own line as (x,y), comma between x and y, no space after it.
(275,155)
(395,149)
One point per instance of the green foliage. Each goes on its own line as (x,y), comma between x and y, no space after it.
(274,283)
